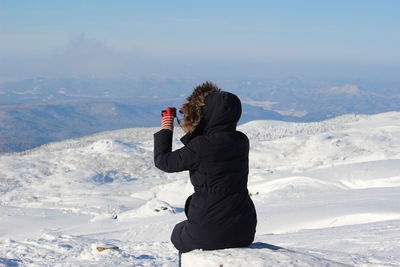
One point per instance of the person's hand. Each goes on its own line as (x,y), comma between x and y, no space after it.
(168,116)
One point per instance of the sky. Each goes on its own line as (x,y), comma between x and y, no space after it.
(356,38)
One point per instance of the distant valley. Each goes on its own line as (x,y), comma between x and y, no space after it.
(42,110)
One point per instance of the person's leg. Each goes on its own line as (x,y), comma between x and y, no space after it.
(176,236)
(179,259)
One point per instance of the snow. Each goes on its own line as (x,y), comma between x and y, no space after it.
(258,254)
(326,193)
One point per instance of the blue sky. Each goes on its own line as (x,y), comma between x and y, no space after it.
(353,37)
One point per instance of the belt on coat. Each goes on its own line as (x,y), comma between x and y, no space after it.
(218,190)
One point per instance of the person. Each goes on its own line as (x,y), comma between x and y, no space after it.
(220,213)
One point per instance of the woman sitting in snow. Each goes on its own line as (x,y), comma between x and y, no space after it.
(220,213)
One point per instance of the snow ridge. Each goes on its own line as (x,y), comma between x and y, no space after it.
(329,190)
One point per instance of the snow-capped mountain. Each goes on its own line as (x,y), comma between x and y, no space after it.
(329,190)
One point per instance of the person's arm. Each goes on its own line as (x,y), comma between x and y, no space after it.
(167,160)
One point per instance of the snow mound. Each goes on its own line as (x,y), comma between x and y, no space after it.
(257,255)
(151,208)
(109,146)
(294,185)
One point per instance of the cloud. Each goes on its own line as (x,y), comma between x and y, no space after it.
(79,55)
(89,56)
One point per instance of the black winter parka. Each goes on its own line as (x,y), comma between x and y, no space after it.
(220,213)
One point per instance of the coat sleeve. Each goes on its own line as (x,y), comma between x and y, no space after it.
(167,160)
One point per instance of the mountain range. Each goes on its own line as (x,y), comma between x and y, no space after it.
(42,110)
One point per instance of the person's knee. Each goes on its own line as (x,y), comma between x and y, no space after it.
(176,236)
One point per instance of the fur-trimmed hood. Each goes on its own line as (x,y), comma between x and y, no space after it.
(221,112)
(209,109)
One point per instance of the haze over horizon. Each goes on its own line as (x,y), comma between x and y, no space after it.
(341,39)
(73,68)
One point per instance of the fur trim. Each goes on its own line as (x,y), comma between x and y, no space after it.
(193,109)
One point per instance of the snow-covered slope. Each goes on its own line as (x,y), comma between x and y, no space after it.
(329,190)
